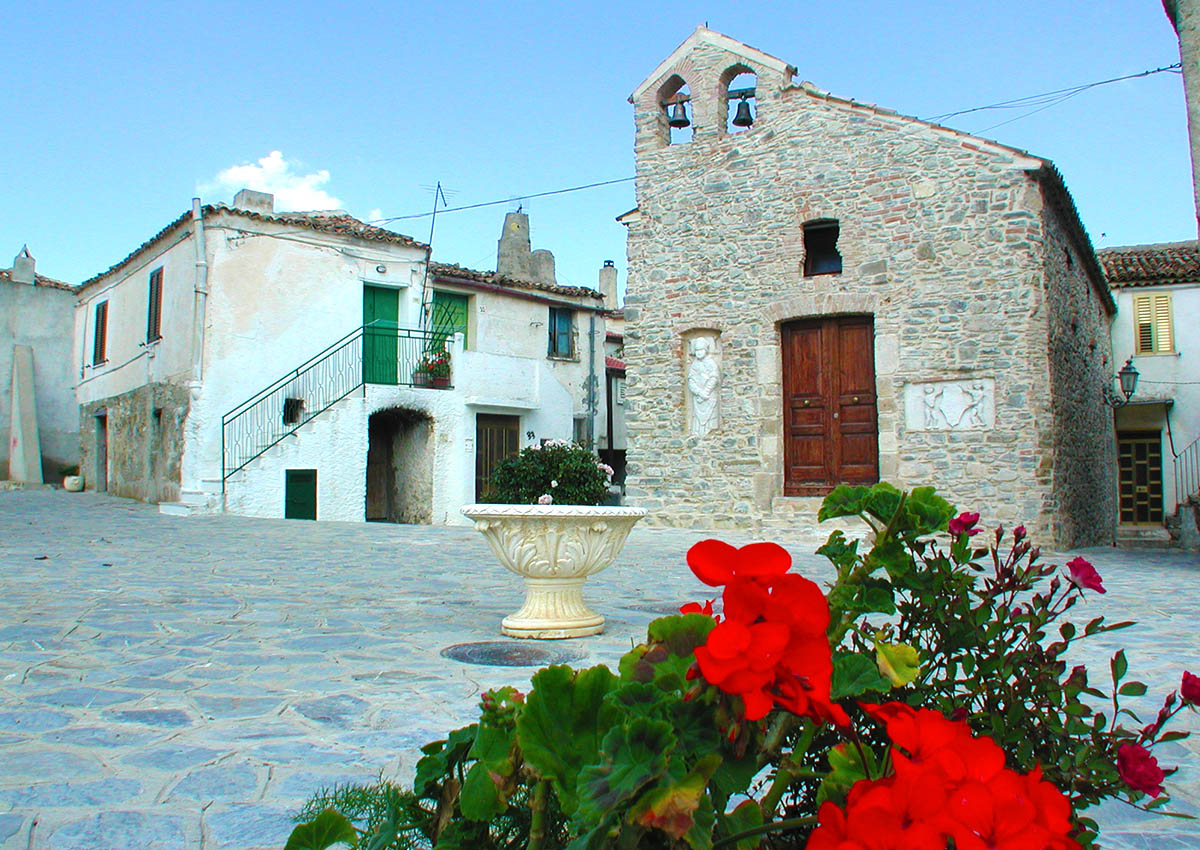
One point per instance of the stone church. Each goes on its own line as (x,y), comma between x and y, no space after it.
(823,291)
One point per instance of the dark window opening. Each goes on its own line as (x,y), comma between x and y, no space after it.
(100,334)
(562,323)
(154,308)
(820,248)
(741,106)
(293,408)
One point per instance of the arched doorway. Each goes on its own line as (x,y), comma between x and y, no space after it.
(399,466)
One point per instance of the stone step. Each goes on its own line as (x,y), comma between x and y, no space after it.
(174,509)
(1143,537)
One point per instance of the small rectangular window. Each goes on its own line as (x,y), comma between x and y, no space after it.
(562,332)
(820,248)
(1152,332)
(154,306)
(579,431)
(100,333)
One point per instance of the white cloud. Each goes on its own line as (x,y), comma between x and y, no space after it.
(274,174)
(375,214)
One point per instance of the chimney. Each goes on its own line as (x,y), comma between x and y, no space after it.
(259,202)
(513,257)
(543,266)
(608,285)
(22,270)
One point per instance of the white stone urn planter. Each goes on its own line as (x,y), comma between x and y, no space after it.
(72,483)
(554,548)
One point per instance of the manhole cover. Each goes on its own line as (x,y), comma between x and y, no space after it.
(502,653)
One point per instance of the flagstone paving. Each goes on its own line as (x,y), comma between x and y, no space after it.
(188,682)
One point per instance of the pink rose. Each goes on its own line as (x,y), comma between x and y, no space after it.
(1084,575)
(1190,689)
(545,499)
(1139,770)
(964,523)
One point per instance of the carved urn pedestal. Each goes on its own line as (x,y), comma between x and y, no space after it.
(554,548)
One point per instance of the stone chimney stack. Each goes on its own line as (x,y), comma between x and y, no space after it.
(608,285)
(543,266)
(259,202)
(22,270)
(513,257)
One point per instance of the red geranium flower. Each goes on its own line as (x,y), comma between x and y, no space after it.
(1084,575)
(696,608)
(1139,770)
(715,562)
(1190,689)
(964,523)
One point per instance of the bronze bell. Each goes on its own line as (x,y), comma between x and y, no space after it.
(678,117)
(743,118)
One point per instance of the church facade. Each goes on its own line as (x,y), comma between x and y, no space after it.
(822,291)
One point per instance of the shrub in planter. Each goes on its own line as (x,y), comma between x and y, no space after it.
(556,472)
(922,702)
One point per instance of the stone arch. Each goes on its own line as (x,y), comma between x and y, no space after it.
(399,478)
(738,83)
(674,100)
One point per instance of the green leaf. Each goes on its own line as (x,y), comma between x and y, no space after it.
(665,661)
(882,501)
(855,674)
(441,758)
(633,755)
(927,511)
(733,777)
(842,553)
(892,555)
(564,720)
(323,831)
(899,662)
(1132,689)
(844,500)
(847,767)
(483,793)
(746,816)
(1119,666)
(1067,630)
(678,809)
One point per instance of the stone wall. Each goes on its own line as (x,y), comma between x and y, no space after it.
(144,442)
(1084,460)
(941,242)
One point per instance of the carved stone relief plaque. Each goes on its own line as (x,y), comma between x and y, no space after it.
(951,405)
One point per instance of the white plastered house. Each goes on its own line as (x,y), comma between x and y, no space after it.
(281,365)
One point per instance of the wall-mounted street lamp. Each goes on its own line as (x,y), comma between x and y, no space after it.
(1127,378)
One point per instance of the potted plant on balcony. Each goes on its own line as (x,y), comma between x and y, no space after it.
(543,519)
(433,370)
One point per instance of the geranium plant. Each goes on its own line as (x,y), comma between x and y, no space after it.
(553,472)
(435,363)
(923,701)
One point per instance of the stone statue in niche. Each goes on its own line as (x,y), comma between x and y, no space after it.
(703,379)
(951,405)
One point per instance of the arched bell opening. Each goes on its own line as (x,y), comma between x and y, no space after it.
(739,87)
(676,118)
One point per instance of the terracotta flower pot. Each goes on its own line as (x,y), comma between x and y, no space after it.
(554,548)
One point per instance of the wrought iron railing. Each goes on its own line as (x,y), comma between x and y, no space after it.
(1187,472)
(377,353)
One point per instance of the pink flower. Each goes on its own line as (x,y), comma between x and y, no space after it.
(964,523)
(1139,770)
(545,499)
(1190,689)
(1084,575)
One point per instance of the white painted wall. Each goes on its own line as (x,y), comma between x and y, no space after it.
(131,362)
(1172,375)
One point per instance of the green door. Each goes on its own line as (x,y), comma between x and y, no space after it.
(381,316)
(300,494)
(450,316)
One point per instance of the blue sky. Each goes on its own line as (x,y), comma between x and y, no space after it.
(113,115)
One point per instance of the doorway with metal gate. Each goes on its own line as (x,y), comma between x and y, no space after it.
(1140,477)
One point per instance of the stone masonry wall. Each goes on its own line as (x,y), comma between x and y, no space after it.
(1081,365)
(940,242)
(144,441)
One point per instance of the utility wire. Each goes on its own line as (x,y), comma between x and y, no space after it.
(1042,101)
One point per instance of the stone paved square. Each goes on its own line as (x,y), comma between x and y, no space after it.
(187,683)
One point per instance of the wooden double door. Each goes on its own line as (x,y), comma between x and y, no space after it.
(831,434)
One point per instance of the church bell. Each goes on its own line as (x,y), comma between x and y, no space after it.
(743,118)
(678,117)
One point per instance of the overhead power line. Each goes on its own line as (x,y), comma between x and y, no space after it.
(1041,102)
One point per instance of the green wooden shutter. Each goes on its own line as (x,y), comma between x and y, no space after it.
(450,316)
(300,494)
(381,315)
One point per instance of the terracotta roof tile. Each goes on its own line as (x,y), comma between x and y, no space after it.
(1152,265)
(614,363)
(40,280)
(338,223)
(448,270)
